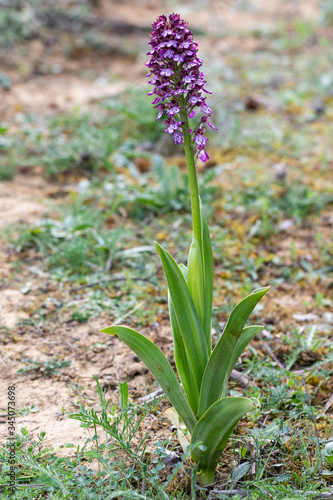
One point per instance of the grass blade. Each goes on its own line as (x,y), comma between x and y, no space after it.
(159,366)
(123,394)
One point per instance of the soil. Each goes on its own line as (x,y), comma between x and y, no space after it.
(81,82)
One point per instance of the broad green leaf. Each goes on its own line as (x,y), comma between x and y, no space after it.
(183,367)
(159,366)
(215,375)
(195,279)
(227,351)
(214,429)
(187,317)
(183,270)
(207,261)
(248,333)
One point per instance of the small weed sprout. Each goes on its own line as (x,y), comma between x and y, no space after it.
(121,423)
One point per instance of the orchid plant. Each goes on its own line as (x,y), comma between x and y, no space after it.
(200,398)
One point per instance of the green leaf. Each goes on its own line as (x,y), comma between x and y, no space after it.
(214,429)
(183,270)
(230,346)
(195,278)
(187,317)
(217,371)
(240,471)
(159,366)
(183,367)
(123,394)
(207,261)
(248,333)
(133,495)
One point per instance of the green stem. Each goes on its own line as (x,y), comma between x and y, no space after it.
(193,181)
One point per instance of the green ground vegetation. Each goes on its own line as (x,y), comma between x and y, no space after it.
(268,193)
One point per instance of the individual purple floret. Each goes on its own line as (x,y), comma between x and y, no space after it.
(178,82)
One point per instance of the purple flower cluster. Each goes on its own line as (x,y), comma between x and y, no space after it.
(178,82)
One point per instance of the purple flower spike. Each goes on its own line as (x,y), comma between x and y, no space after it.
(177,79)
